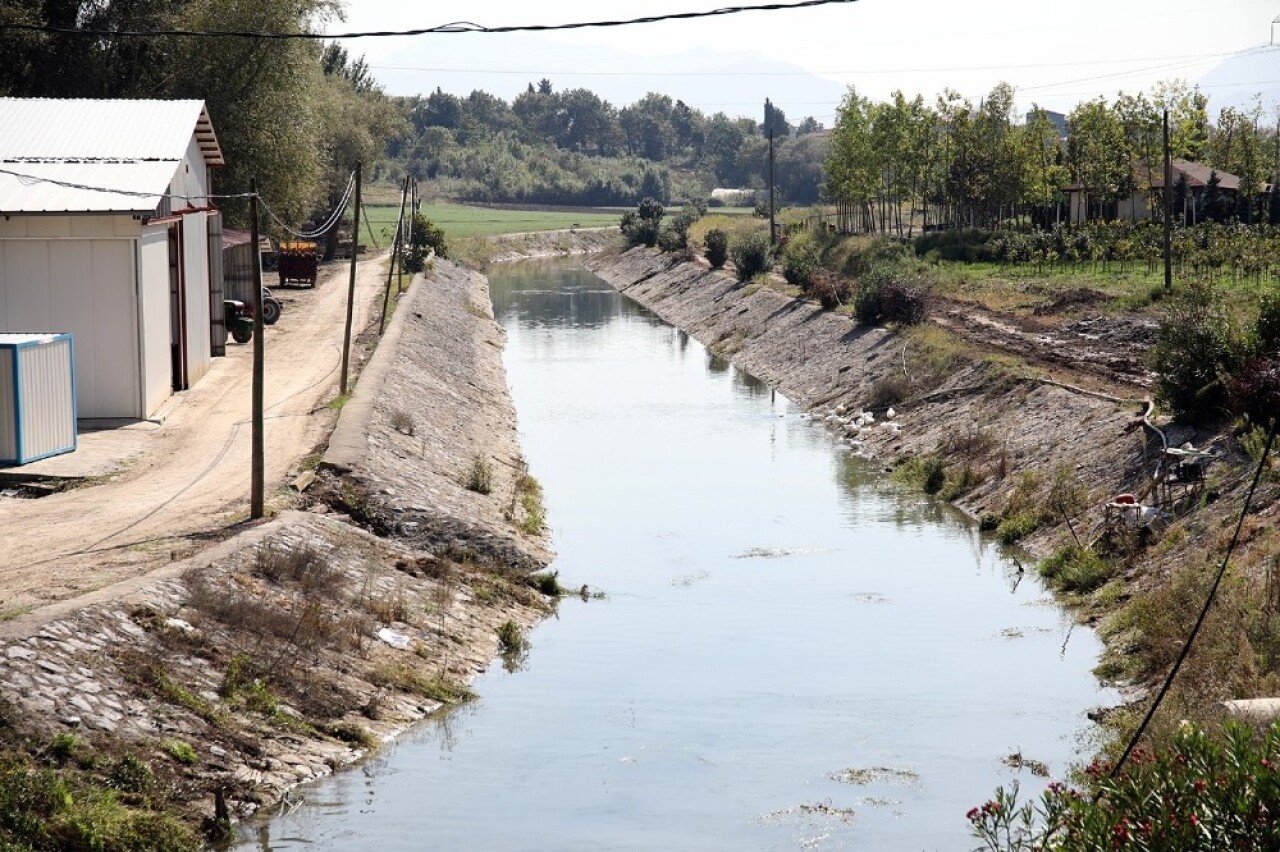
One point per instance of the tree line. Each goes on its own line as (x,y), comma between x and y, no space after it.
(573,147)
(296,114)
(901,164)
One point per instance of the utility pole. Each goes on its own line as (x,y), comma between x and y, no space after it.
(1168,208)
(768,125)
(351,286)
(395,254)
(257,462)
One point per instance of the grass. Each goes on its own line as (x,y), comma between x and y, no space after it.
(58,809)
(511,638)
(480,475)
(462,220)
(180,751)
(407,678)
(529,494)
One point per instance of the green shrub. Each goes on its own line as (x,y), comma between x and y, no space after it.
(480,475)
(968,245)
(180,751)
(1201,792)
(674,235)
(717,247)
(886,294)
(1196,351)
(511,639)
(423,235)
(1076,569)
(751,255)
(1014,528)
(800,261)
(830,290)
(1266,328)
(924,472)
(643,225)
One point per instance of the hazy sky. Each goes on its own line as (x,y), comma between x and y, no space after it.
(1053,53)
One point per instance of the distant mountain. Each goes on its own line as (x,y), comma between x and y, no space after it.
(1236,81)
(734,83)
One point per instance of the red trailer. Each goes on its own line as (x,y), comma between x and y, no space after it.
(296,263)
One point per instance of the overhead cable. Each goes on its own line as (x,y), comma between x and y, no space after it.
(31,180)
(1208,602)
(442,29)
(328,224)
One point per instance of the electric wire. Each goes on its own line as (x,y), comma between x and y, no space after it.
(1189,58)
(328,224)
(27,179)
(364,213)
(449,28)
(1204,610)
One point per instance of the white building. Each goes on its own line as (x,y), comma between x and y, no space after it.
(126,272)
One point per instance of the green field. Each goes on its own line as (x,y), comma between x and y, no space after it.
(460,220)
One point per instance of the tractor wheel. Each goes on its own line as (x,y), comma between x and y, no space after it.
(270,311)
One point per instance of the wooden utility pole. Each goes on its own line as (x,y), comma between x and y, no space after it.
(257,454)
(768,125)
(1168,208)
(395,254)
(351,287)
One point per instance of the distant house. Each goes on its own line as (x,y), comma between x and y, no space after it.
(1147,199)
(1057,119)
(126,271)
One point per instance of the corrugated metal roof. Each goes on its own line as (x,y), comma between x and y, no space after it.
(28,195)
(118,129)
(51,148)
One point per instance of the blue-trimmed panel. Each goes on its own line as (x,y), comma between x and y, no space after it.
(37,397)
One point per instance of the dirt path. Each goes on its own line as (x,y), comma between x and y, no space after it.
(1112,348)
(191,483)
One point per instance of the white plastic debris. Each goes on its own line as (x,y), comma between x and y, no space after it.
(396,640)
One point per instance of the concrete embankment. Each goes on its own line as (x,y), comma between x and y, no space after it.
(299,644)
(969,410)
(509,247)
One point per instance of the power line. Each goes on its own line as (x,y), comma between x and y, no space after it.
(1208,602)
(442,29)
(922,70)
(30,180)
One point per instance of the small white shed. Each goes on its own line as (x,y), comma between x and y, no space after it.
(127,270)
(37,397)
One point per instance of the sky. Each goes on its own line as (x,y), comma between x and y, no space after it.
(1055,54)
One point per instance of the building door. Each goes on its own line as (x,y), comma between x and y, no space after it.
(177,312)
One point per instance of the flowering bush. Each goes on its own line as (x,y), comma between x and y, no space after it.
(1200,793)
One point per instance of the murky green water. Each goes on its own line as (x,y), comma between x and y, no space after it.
(792,653)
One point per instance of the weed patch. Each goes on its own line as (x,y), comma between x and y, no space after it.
(1076,569)
(924,472)
(480,475)
(406,678)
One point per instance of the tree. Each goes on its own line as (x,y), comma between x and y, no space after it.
(808,125)
(1044,176)
(1188,118)
(646,126)
(1097,152)
(356,121)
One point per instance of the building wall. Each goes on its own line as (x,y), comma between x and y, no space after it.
(191,179)
(86,287)
(153,317)
(195,263)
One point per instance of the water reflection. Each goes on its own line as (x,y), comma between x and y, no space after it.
(792,654)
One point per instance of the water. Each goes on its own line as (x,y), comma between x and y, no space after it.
(792,653)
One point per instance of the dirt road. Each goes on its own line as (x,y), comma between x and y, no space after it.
(191,482)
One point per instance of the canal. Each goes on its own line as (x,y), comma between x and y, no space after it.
(789,652)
